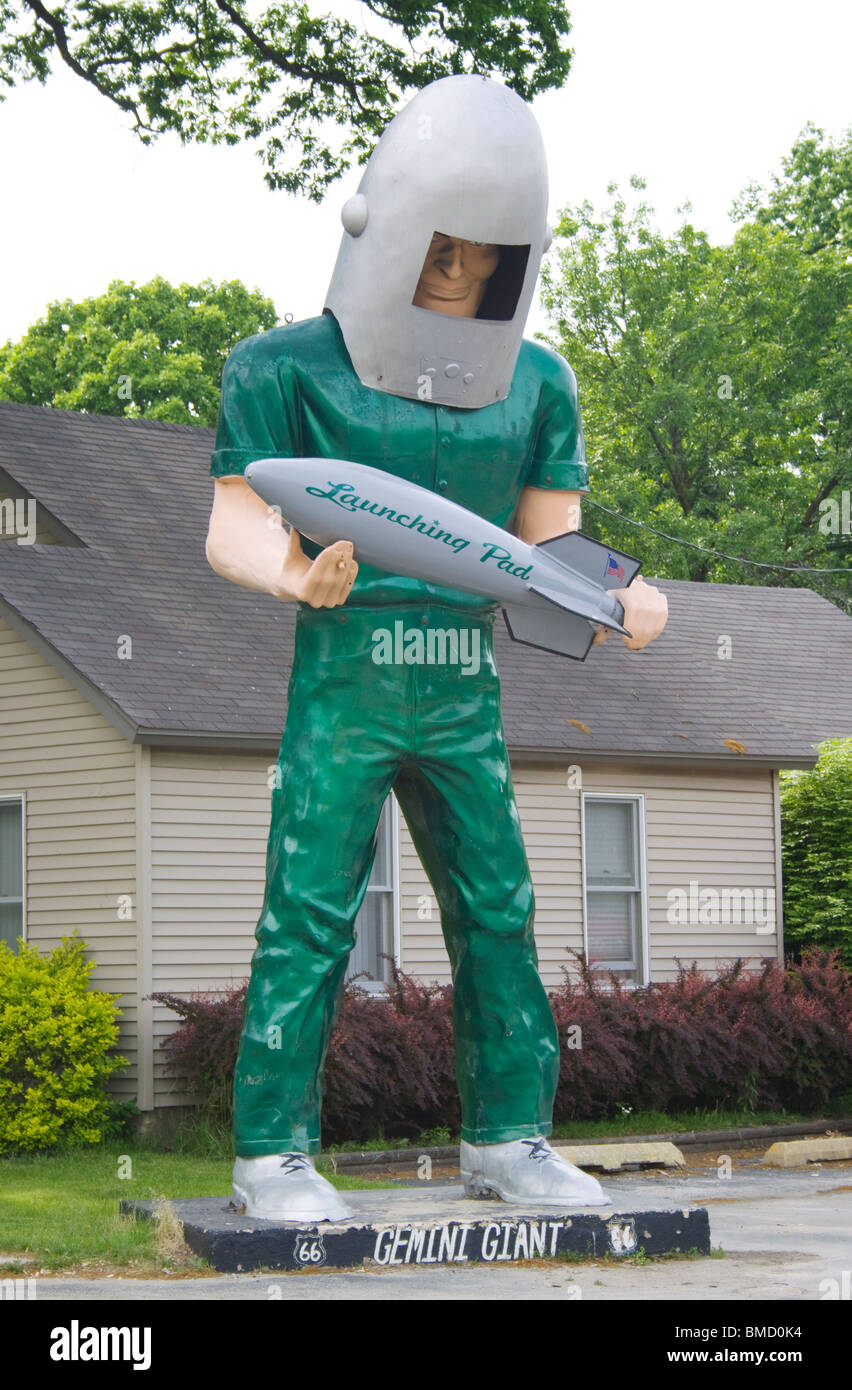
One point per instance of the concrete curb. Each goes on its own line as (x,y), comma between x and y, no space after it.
(798,1151)
(683,1139)
(612,1157)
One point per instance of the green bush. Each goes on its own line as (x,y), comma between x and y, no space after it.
(54,1037)
(816,821)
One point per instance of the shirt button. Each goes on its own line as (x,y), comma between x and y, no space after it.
(443,484)
(445,443)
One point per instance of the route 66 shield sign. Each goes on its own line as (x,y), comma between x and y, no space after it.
(309,1249)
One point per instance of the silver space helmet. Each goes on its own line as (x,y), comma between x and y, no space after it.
(464,159)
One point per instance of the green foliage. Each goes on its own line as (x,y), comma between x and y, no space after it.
(55,1034)
(812,201)
(280,75)
(439,1137)
(144,350)
(715,387)
(816,832)
(120,1122)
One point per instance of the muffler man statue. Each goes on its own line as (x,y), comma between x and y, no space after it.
(417,366)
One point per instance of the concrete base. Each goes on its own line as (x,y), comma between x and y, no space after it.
(438,1225)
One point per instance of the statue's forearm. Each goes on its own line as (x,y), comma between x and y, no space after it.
(248,544)
(545,512)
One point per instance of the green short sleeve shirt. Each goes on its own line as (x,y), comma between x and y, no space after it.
(293,392)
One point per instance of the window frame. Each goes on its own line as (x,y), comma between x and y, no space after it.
(21,799)
(636,799)
(379,988)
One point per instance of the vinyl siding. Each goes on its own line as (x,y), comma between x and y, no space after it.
(77,775)
(210,820)
(717,830)
(714,828)
(209,825)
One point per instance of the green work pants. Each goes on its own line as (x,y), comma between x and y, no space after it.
(355,729)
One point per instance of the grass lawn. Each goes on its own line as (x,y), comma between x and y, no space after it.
(61,1210)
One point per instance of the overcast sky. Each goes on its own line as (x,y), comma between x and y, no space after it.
(698,98)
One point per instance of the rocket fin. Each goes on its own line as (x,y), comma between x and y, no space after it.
(592,559)
(581,609)
(553,630)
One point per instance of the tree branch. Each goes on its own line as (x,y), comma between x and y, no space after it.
(158,54)
(61,39)
(674,473)
(820,497)
(334,76)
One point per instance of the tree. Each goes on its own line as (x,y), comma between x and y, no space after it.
(151,350)
(224,71)
(715,389)
(816,833)
(812,201)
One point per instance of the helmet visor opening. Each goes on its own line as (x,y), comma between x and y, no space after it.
(471,279)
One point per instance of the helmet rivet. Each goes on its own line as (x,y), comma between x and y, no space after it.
(353,214)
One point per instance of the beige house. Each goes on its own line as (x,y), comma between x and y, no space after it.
(141,705)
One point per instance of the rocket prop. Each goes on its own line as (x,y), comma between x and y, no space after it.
(551,594)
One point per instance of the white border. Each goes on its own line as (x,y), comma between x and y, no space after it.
(143,919)
(779,865)
(379,988)
(395,885)
(638,797)
(21,798)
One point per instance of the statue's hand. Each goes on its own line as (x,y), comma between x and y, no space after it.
(645,612)
(325,582)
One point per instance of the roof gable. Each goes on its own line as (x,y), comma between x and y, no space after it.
(210,660)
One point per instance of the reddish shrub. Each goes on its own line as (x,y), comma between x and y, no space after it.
(203,1051)
(390,1067)
(768,1038)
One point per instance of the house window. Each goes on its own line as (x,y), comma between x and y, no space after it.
(614,886)
(376,924)
(11,871)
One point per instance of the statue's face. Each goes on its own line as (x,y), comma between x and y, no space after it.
(454,275)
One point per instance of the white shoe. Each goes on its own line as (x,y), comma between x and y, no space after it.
(287,1187)
(527,1170)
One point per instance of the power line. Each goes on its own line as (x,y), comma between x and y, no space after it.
(720,554)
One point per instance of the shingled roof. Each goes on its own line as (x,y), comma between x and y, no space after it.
(130,499)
